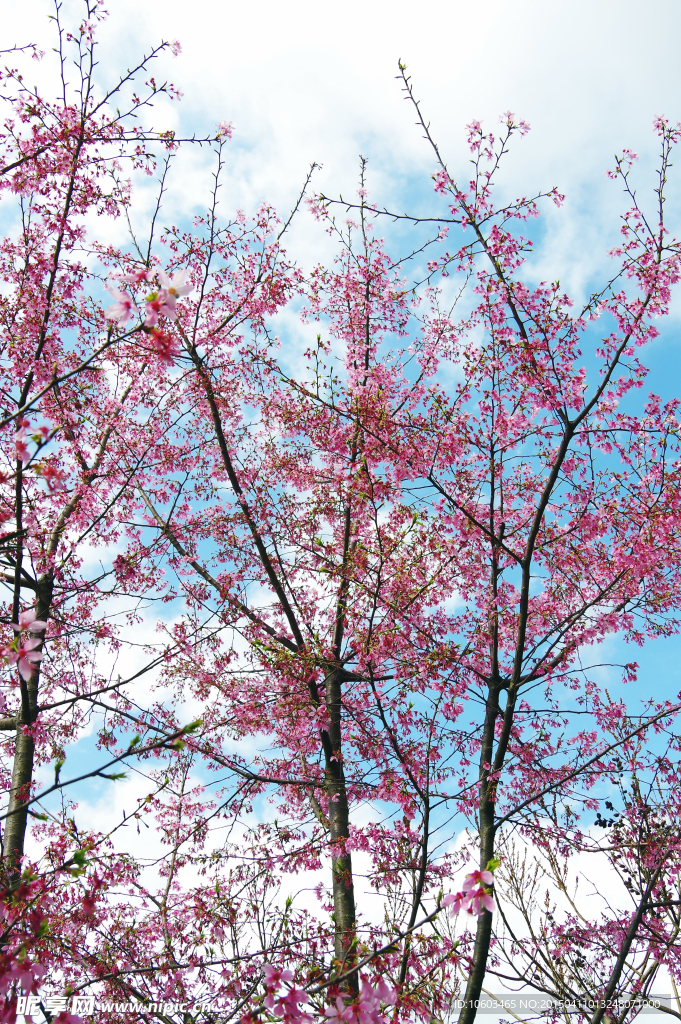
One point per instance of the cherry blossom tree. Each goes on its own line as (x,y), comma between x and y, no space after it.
(62,426)
(381,560)
(527,421)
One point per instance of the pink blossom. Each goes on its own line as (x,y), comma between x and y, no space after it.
(274,976)
(340,1012)
(159,304)
(24,656)
(176,286)
(366,1009)
(123,309)
(165,346)
(457,901)
(23,454)
(54,478)
(473,900)
(20,441)
(136,277)
(284,1004)
(479,899)
(385,993)
(28,620)
(476,879)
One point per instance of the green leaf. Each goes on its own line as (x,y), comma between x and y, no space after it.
(493,863)
(79,858)
(193,726)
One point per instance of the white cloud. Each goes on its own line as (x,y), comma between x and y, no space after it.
(306,82)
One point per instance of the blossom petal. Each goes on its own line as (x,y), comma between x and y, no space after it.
(26,666)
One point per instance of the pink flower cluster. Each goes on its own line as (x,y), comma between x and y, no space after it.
(474,898)
(40,435)
(160,301)
(164,345)
(366,1009)
(22,653)
(18,969)
(285,1004)
(54,478)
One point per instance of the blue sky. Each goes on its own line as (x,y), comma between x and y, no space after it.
(306,81)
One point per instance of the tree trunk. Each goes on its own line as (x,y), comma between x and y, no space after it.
(487,832)
(339,819)
(24,750)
